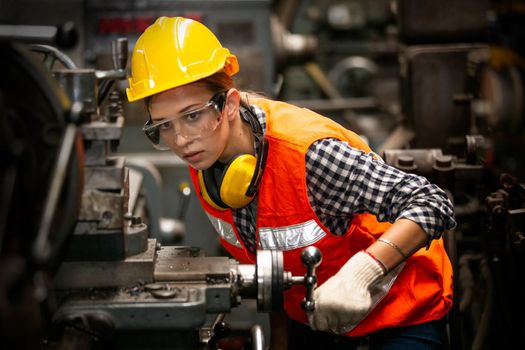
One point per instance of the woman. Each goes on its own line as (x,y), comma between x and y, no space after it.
(274,176)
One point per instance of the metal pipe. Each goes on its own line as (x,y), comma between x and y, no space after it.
(42,247)
(466,281)
(257,338)
(55,54)
(483,328)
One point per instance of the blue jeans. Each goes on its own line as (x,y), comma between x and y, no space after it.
(425,336)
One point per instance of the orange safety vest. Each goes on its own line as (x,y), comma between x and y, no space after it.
(421,292)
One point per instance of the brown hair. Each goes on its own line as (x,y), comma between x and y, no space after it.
(218,82)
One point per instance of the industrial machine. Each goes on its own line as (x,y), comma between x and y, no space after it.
(161,297)
(113,285)
(461,76)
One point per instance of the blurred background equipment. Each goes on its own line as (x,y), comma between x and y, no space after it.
(102,241)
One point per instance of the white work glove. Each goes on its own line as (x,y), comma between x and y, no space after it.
(345,298)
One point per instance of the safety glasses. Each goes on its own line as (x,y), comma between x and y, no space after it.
(191,125)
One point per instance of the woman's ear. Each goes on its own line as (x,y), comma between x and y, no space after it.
(231,106)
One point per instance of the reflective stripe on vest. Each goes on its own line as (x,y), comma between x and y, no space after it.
(225,230)
(290,237)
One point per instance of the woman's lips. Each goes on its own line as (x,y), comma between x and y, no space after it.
(193,156)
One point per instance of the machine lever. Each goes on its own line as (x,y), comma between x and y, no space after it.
(119,53)
(311,258)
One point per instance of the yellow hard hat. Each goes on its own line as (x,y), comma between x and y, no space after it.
(175,51)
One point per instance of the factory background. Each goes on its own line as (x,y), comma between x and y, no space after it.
(93,219)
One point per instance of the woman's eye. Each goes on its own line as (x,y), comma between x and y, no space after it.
(165,126)
(193,116)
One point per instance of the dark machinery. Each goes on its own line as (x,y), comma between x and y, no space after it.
(101,280)
(462,94)
(41,179)
(169,307)
(437,89)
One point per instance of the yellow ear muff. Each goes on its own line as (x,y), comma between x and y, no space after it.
(236,179)
(205,192)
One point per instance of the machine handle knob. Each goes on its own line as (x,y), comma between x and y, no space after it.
(119,51)
(311,258)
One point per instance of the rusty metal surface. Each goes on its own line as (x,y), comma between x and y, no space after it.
(107,177)
(100,274)
(107,208)
(452,21)
(441,70)
(196,269)
(101,130)
(135,308)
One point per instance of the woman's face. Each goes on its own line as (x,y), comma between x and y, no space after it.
(200,142)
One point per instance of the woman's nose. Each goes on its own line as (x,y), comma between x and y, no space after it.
(181,140)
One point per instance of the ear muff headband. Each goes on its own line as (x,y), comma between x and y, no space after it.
(236,186)
(262,154)
(262,150)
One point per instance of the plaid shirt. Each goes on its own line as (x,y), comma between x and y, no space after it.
(343,181)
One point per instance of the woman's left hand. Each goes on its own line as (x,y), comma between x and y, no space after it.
(344,299)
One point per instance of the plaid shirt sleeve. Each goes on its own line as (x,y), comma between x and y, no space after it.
(343,181)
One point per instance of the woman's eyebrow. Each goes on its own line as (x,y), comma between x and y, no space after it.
(188,108)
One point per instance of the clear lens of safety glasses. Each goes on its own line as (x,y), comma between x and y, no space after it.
(191,125)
